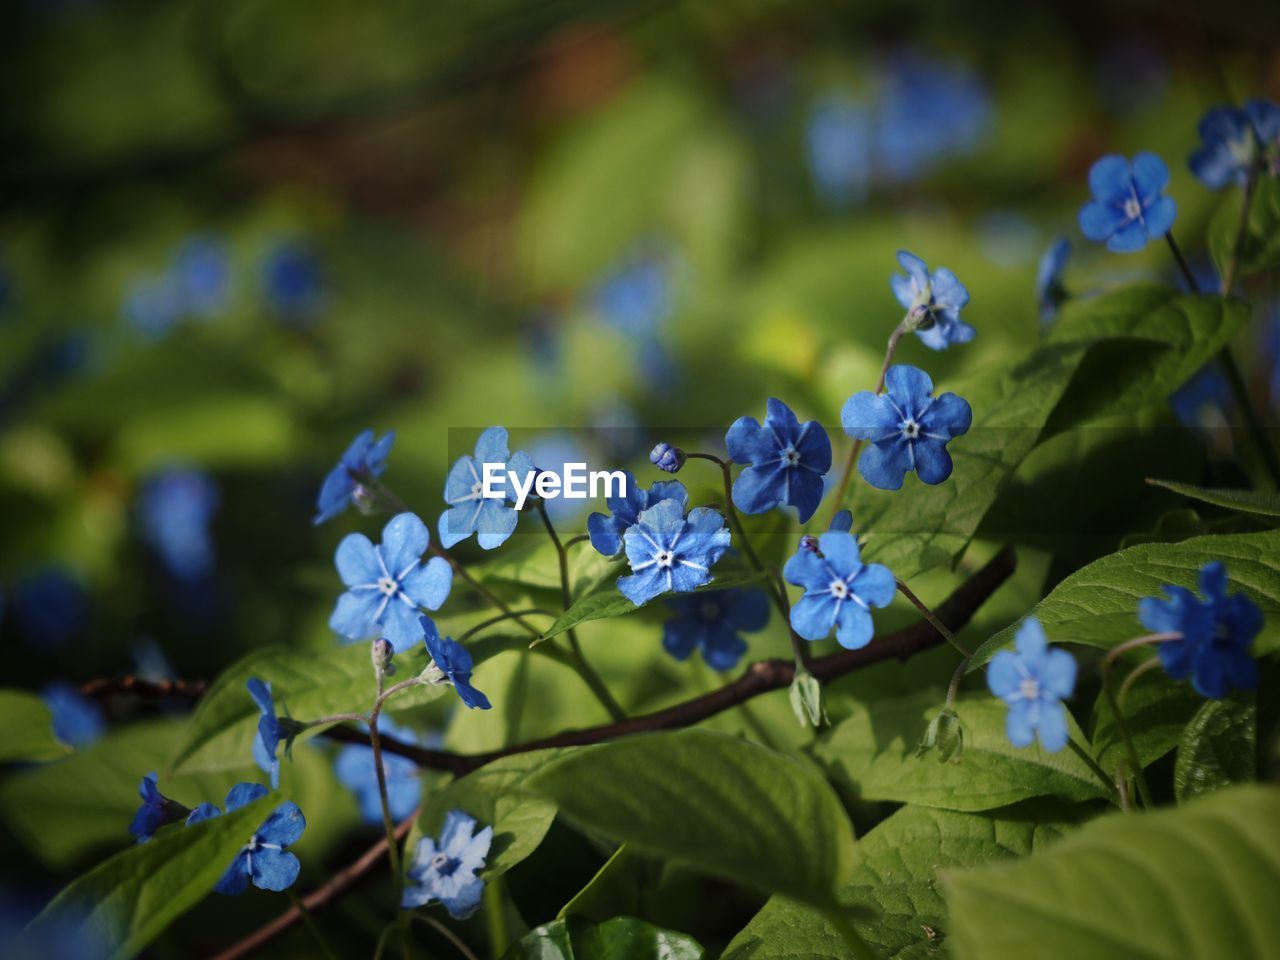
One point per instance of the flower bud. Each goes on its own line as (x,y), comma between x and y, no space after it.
(667,458)
(945,734)
(365,500)
(382,653)
(807,701)
(809,542)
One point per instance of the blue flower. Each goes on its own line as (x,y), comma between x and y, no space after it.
(77,720)
(907,428)
(269,729)
(636,298)
(175,511)
(293,281)
(550,453)
(202,272)
(933,301)
(365,459)
(1128,206)
(671,552)
(838,142)
(1233,140)
(1050,292)
(667,458)
(51,609)
(1204,401)
(839,590)
(156,810)
(454,662)
(493,519)
(711,622)
(1033,681)
(446,872)
(1217,634)
(841,522)
(264,859)
(355,770)
(387,584)
(788,461)
(606,532)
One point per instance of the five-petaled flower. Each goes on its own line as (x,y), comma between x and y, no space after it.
(156,810)
(1050,292)
(355,770)
(667,458)
(907,428)
(453,661)
(446,871)
(1234,140)
(1033,681)
(606,531)
(264,859)
(363,461)
(270,731)
(711,622)
(387,584)
(1128,206)
(1216,634)
(669,551)
(492,519)
(788,461)
(933,302)
(839,590)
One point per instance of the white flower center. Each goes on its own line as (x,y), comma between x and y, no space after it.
(1133,208)
(440,861)
(910,429)
(665,558)
(477,489)
(1029,688)
(790,456)
(388,586)
(839,589)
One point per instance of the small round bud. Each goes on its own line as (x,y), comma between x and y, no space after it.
(667,458)
(382,653)
(365,500)
(809,542)
(945,734)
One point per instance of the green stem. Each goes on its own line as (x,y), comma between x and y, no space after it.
(440,928)
(495,917)
(1242,231)
(1139,776)
(513,615)
(311,925)
(1093,765)
(934,622)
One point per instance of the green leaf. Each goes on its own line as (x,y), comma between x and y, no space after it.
(622,938)
(714,803)
(496,795)
(1218,748)
(1156,710)
(1264,502)
(1098,605)
(126,902)
(306,685)
(26,729)
(1194,883)
(1261,250)
(873,754)
(895,873)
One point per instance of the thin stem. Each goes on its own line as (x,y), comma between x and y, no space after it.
(1242,231)
(1139,776)
(495,917)
(337,718)
(1182,263)
(448,934)
(311,925)
(1145,667)
(573,541)
(953,688)
(1097,770)
(933,620)
(389,824)
(513,615)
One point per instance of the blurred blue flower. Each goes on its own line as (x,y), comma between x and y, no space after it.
(355,770)
(839,590)
(606,531)
(77,720)
(266,743)
(364,460)
(669,552)
(153,304)
(1128,207)
(907,429)
(788,461)
(933,301)
(454,662)
(156,810)
(387,584)
(264,859)
(202,273)
(1215,648)
(1233,141)
(635,298)
(1205,401)
(1033,680)
(492,519)
(293,280)
(446,871)
(51,609)
(839,146)
(550,453)
(1050,292)
(667,458)
(1007,237)
(150,662)
(711,622)
(175,510)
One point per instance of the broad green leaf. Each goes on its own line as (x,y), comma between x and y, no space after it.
(306,685)
(496,796)
(872,754)
(1261,250)
(26,729)
(622,938)
(123,904)
(1098,605)
(1264,502)
(711,802)
(1218,748)
(619,878)
(895,874)
(1194,883)
(1156,710)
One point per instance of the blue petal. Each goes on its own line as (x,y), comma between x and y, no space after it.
(1111,180)
(933,463)
(1020,724)
(260,691)
(1150,176)
(916,268)
(747,441)
(491,446)
(948,291)
(274,869)
(1032,644)
(759,489)
(401,625)
(284,826)
(722,648)
(885,465)
(666,490)
(813,616)
(496,523)
(456,833)
(244,793)
(1215,166)
(470,696)
(681,636)
(1053,726)
(842,521)
(949,415)
(463,476)
(466,901)
(335,494)
(352,616)
(458,523)
(866,416)
(428,585)
(1004,676)
(746,609)
(875,585)
(1132,236)
(604,538)
(405,539)
(642,587)
(205,811)
(1058,674)
(1159,216)
(854,627)
(805,569)
(841,554)
(1098,221)
(236,880)
(356,560)
(376,459)
(1213,580)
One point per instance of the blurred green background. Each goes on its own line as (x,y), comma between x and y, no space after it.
(233,234)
